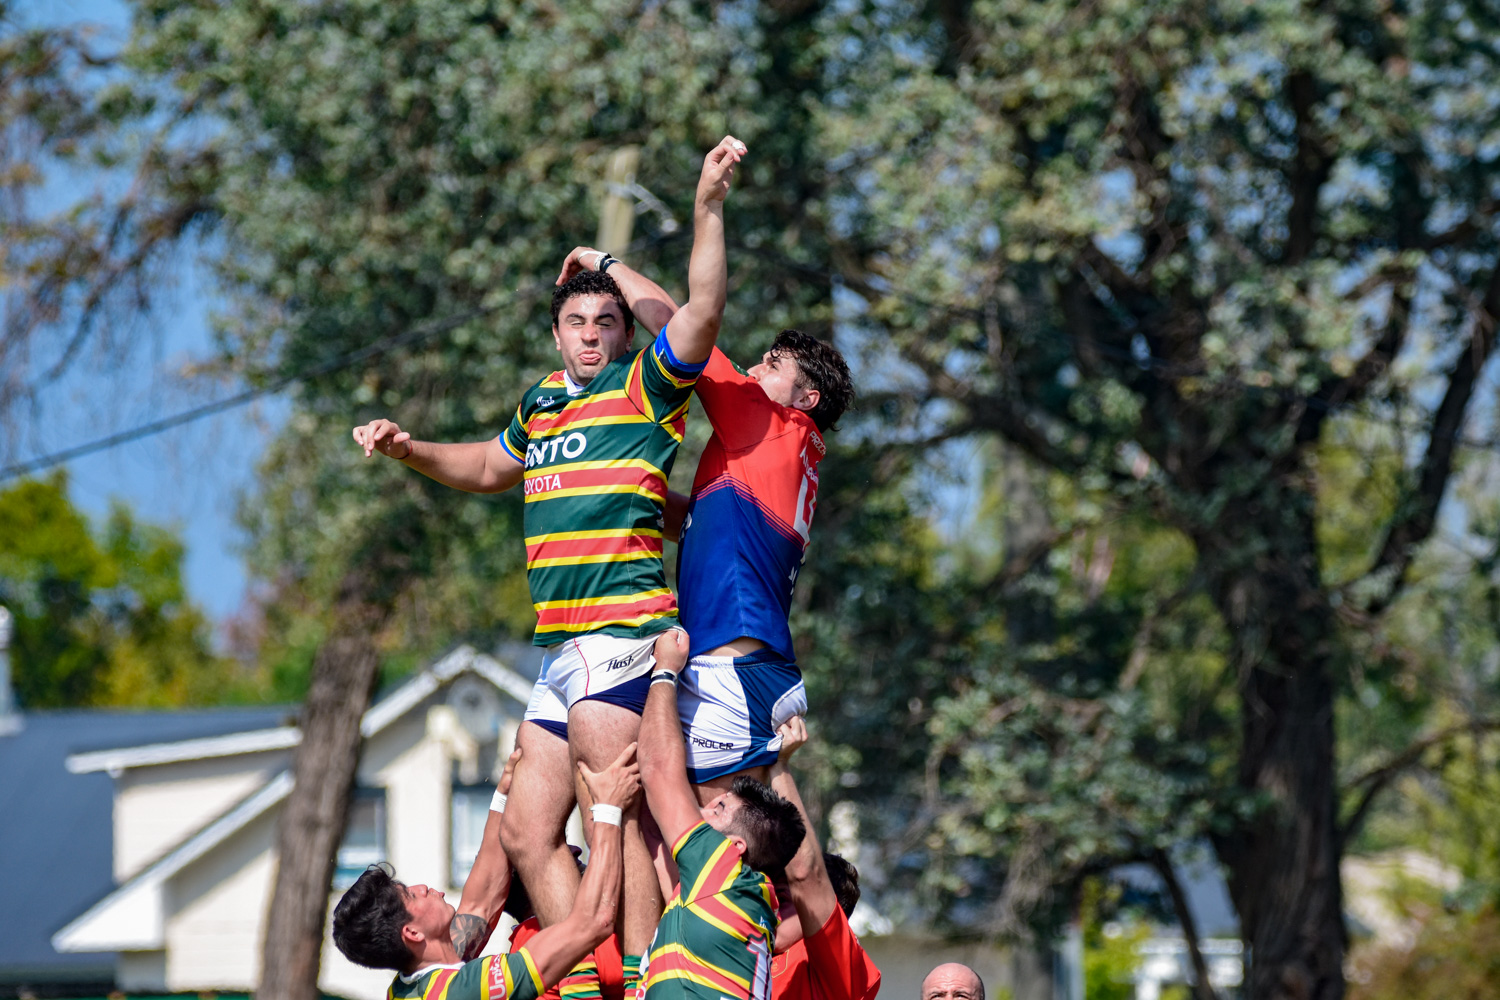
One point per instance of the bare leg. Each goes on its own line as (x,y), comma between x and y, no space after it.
(714,787)
(536,817)
(597,732)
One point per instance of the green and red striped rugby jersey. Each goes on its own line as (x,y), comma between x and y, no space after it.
(596,482)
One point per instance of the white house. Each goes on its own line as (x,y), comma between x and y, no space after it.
(194,836)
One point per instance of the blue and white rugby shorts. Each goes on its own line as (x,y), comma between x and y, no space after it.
(731,707)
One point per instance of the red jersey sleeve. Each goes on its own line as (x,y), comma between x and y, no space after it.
(841,968)
(738,408)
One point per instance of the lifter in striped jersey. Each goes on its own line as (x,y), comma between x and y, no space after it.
(593,445)
(714,940)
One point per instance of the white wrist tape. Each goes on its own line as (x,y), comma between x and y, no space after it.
(600,254)
(497,802)
(607,814)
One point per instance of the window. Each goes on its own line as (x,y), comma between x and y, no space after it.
(364,836)
(471,808)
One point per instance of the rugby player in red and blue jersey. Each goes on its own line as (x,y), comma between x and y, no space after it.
(743,535)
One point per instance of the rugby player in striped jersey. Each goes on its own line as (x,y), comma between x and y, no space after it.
(382,924)
(714,941)
(593,444)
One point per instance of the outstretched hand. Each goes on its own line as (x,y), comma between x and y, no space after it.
(793,733)
(385,437)
(616,785)
(718,170)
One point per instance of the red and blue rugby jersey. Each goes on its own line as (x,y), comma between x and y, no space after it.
(747,524)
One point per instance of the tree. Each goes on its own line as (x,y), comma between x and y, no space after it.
(102,617)
(1174,247)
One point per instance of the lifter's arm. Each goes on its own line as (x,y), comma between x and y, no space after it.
(663,756)
(474,466)
(488,883)
(806,874)
(557,949)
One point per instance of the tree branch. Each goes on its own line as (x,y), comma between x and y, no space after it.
(1163,865)
(1308,171)
(1378,779)
(1418,514)
(1338,392)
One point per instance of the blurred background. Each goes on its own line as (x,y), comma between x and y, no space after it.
(1150,619)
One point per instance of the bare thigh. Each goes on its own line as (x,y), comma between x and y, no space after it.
(535,824)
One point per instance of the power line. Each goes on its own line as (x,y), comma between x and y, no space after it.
(423,331)
(412,335)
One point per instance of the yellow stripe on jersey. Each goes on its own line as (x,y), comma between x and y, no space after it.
(577,536)
(707,917)
(591,625)
(681,383)
(578,491)
(587,560)
(708,868)
(678,949)
(621,418)
(589,602)
(536,977)
(637,376)
(606,463)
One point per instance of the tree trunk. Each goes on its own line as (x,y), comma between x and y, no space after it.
(1283,860)
(312,822)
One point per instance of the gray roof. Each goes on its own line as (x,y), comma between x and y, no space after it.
(56,836)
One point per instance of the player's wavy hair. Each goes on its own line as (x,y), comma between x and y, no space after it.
(845,880)
(368,919)
(820,366)
(590,283)
(770,825)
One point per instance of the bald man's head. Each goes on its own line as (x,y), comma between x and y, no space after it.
(952,981)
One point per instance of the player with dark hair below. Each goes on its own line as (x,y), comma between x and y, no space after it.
(593,444)
(817,955)
(382,924)
(744,533)
(714,940)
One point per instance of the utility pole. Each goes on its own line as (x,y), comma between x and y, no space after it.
(10,719)
(617,213)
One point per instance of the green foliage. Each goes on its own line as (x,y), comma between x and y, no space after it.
(1110,944)
(101,617)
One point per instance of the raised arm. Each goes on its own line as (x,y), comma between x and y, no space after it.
(663,756)
(806,874)
(475,466)
(649,302)
(695,329)
(489,880)
(560,947)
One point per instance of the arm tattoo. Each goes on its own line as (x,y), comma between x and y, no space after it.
(468,933)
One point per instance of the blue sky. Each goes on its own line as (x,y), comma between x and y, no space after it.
(190,478)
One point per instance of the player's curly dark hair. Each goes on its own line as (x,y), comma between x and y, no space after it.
(590,283)
(821,367)
(368,919)
(845,880)
(770,825)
